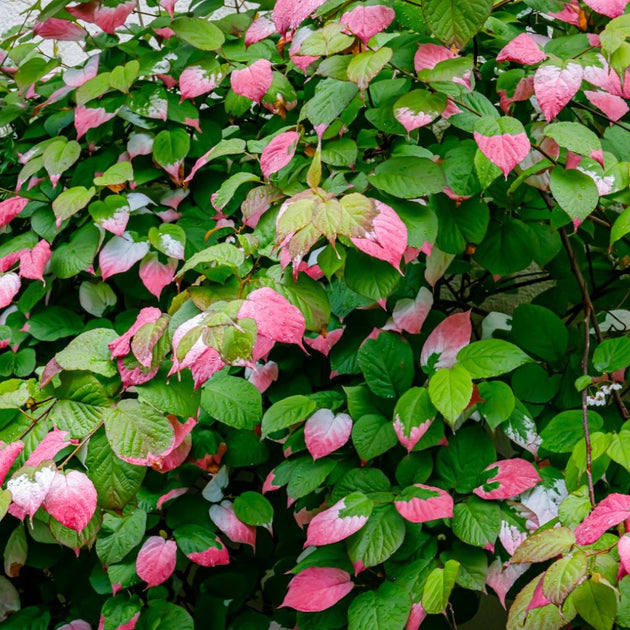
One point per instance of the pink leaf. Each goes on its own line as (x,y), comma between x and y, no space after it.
(276,318)
(258,30)
(289,14)
(77,624)
(417,615)
(257,202)
(511,537)
(555,86)
(225,519)
(75,77)
(176,455)
(609,8)
(324,343)
(253,81)
(429,55)
(61,30)
(332,525)
(505,150)
(388,239)
(623,548)
(446,340)
(523,49)
(156,560)
(52,443)
(9,286)
(156,275)
(33,262)
(501,577)
(8,454)
(122,346)
(168,6)
(325,432)
(211,557)
(127,625)
(365,22)
(262,375)
(570,13)
(6,262)
(86,118)
(28,491)
(120,254)
(10,208)
(317,588)
(611,511)
(195,81)
(105,17)
(426,504)
(410,432)
(278,153)
(513,476)
(613,106)
(409,315)
(71,499)
(170,495)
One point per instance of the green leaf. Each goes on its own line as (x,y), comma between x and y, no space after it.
(326,41)
(575,192)
(77,255)
(170,147)
(450,390)
(368,276)
(612,354)
(379,538)
(116,481)
(342,152)
(55,323)
(122,77)
(229,187)
(565,430)
(544,545)
(136,432)
(620,227)
(96,297)
(538,330)
(574,137)
(59,156)
(373,435)
(619,449)
(232,401)
(491,357)
(563,576)
(330,99)
(178,396)
(223,254)
(387,364)
(308,475)
(596,603)
(89,351)
(119,535)
(438,587)
(453,22)
(507,247)
(462,224)
(253,509)
(198,33)
(70,201)
(119,173)
(384,609)
(162,615)
(477,522)
(408,177)
(497,404)
(194,538)
(286,412)
(366,66)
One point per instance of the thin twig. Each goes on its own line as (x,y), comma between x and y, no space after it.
(80,444)
(587,435)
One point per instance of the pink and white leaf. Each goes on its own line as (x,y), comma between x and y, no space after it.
(33,262)
(77,624)
(555,86)
(258,30)
(278,153)
(60,30)
(276,318)
(429,55)
(288,14)
(504,150)
(501,577)
(211,557)
(122,346)
(513,477)
(71,499)
(317,588)
(609,8)
(195,81)
(253,81)
(168,6)
(388,239)
(52,443)
(615,107)
(428,504)
(324,343)
(105,17)
(156,560)
(75,77)
(409,437)
(28,491)
(609,512)
(10,208)
(120,254)
(156,275)
(224,517)
(261,376)
(524,48)
(9,286)
(446,340)
(325,432)
(409,315)
(365,22)
(86,118)
(331,526)
(623,548)
(8,454)
(139,144)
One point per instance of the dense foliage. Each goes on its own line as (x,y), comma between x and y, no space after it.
(255,370)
